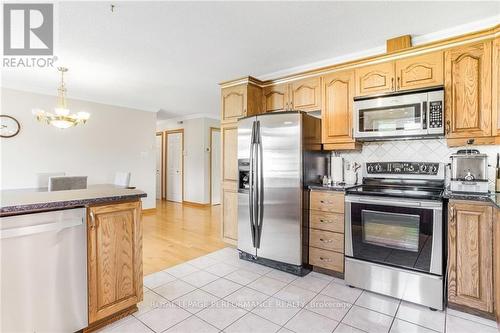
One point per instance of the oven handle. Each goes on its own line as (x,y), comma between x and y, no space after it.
(401,203)
(390,202)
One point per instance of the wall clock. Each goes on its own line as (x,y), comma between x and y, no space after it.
(9,126)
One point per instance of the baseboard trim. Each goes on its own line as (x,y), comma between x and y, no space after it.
(195,204)
(149,210)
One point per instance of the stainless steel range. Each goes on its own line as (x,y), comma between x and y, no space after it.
(394,231)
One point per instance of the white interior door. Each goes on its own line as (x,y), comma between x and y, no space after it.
(158,166)
(216,167)
(174,167)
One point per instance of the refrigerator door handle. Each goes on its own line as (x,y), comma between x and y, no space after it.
(251,189)
(260,185)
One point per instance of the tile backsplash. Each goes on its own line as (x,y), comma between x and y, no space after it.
(429,150)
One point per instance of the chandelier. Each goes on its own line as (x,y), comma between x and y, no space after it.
(61,117)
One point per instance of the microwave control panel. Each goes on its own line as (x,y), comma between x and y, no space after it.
(435,114)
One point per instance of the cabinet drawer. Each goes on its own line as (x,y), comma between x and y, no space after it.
(327,240)
(326,259)
(327,201)
(327,221)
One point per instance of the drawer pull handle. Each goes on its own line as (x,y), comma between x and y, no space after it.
(326,240)
(325,259)
(325,221)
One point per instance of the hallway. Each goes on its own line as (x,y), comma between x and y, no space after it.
(176,233)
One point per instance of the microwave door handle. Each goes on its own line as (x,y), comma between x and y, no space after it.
(424,115)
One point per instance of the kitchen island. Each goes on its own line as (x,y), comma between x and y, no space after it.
(91,237)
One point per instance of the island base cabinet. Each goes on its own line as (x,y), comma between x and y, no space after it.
(470,262)
(115,278)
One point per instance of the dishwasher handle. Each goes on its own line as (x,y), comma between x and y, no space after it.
(36,229)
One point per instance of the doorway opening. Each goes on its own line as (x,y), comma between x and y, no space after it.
(174,143)
(215,166)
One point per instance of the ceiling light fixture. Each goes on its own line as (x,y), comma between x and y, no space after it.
(61,118)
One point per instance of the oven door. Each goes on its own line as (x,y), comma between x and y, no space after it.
(391,116)
(394,231)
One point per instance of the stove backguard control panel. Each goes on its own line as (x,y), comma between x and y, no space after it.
(402,168)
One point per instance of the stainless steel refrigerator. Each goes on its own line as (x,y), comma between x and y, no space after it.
(279,154)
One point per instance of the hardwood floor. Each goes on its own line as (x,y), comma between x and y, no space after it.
(176,233)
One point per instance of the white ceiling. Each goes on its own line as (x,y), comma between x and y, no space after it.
(172,55)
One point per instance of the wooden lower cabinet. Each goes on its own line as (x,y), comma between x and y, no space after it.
(496,263)
(115,280)
(229,207)
(470,257)
(326,233)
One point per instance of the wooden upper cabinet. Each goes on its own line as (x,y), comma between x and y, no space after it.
(496,89)
(233,103)
(305,95)
(276,98)
(240,101)
(114,258)
(468,91)
(336,113)
(419,72)
(470,263)
(416,72)
(375,79)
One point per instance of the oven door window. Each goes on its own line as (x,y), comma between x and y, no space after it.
(390,230)
(390,119)
(397,236)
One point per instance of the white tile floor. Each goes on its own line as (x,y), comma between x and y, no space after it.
(220,293)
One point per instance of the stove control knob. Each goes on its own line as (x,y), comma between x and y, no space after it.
(411,168)
(434,168)
(378,167)
(370,168)
(423,167)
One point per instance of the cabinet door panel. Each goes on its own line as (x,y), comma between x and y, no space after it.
(306,95)
(375,79)
(276,98)
(496,89)
(468,91)
(233,103)
(470,256)
(420,71)
(230,212)
(336,114)
(114,259)
(230,152)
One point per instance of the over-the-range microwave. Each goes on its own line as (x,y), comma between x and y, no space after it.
(417,113)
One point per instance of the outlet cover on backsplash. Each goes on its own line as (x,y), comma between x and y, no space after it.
(430,150)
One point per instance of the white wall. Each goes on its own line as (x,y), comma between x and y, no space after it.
(114,139)
(196,155)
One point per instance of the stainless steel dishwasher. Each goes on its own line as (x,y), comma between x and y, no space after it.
(43,272)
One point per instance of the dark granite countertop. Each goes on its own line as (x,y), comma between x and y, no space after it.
(493,198)
(22,201)
(337,187)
